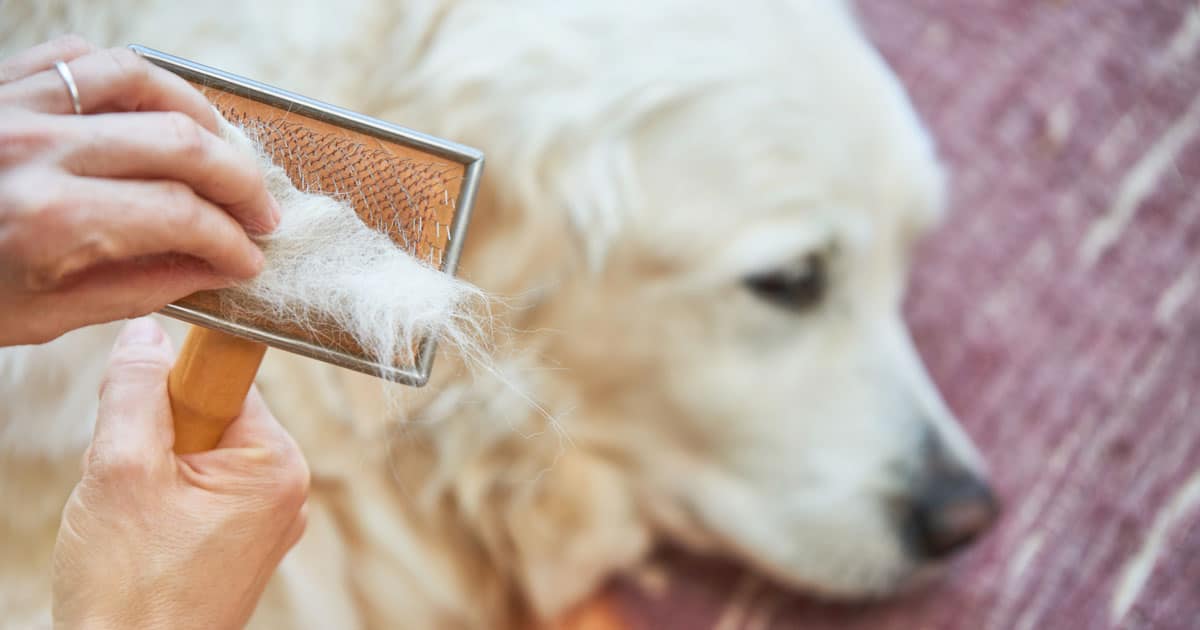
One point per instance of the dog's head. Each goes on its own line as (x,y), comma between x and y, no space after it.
(742,346)
(743,190)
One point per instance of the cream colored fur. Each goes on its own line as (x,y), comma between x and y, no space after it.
(642,160)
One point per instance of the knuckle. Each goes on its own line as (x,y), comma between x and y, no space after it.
(72,45)
(118,463)
(23,135)
(248,176)
(128,67)
(29,216)
(127,359)
(146,304)
(130,370)
(49,213)
(292,483)
(21,196)
(179,205)
(188,137)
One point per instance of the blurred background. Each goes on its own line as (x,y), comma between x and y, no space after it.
(1059,311)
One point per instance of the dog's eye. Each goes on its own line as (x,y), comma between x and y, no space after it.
(797,287)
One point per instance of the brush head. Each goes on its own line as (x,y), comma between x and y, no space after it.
(416,189)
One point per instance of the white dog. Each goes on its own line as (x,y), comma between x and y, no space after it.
(703,212)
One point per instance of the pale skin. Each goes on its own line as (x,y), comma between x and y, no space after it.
(151,539)
(111,215)
(120,211)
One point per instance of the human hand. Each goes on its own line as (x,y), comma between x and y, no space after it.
(122,210)
(150,539)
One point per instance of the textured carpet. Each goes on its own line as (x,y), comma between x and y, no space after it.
(1058,309)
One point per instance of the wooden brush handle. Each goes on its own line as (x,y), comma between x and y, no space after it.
(208,385)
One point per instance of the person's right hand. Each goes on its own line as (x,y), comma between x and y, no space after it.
(119,211)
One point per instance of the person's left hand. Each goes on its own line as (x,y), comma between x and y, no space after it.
(150,539)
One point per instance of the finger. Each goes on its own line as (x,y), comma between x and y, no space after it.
(116,79)
(257,427)
(120,290)
(106,220)
(134,416)
(43,56)
(171,146)
(257,451)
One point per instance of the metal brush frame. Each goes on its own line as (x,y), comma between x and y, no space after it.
(472,159)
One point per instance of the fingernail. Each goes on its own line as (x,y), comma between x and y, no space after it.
(140,331)
(262,228)
(260,259)
(275,213)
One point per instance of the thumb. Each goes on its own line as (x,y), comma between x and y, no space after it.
(134,416)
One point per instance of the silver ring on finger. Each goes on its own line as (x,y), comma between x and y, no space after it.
(65,72)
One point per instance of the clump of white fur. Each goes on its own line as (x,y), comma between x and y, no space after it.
(325,266)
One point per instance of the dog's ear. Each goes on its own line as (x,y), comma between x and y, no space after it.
(552,516)
(571,529)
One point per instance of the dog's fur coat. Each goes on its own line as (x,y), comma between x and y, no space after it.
(643,161)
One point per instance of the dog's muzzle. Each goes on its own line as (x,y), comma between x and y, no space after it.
(949,507)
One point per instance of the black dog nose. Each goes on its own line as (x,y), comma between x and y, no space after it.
(948,512)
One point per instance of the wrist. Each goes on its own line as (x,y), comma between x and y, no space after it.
(86,624)
(132,618)
(106,624)
(122,620)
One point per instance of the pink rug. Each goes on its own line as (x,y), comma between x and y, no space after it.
(1059,310)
